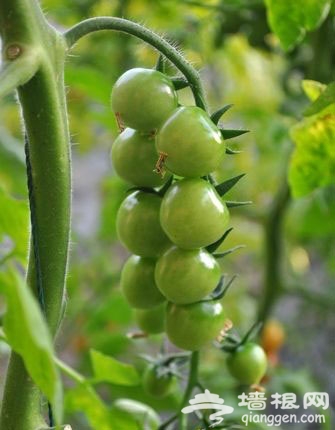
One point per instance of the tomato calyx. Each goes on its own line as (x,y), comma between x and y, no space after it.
(230,134)
(233,341)
(227,185)
(216,116)
(214,246)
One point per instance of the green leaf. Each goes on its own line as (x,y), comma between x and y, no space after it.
(28,335)
(290,20)
(312,89)
(84,399)
(326,98)
(14,221)
(225,186)
(108,369)
(312,163)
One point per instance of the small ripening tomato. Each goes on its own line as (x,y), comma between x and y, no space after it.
(192,214)
(193,326)
(138,283)
(247,363)
(138,225)
(186,276)
(128,413)
(273,336)
(143,98)
(191,143)
(151,320)
(134,157)
(156,381)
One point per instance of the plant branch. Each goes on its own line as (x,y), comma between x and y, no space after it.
(71,373)
(18,72)
(171,53)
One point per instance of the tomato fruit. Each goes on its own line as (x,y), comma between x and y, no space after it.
(192,214)
(192,143)
(131,415)
(186,276)
(156,382)
(193,326)
(273,336)
(151,320)
(134,157)
(138,283)
(247,363)
(143,98)
(138,225)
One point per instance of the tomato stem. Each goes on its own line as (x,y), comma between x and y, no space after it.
(171,53)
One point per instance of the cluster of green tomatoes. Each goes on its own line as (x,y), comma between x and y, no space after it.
(173,214)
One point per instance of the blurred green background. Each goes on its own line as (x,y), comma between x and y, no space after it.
(286,270)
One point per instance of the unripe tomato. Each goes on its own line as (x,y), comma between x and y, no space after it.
(193,326)
(127,411)
(138,283)
(192,143)
(143,98)
(273,336)
(247,363)
(151,321)
(156,382)
(138,225)
(134,157)
(192,214)
(186,276)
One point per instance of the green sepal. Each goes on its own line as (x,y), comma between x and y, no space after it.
(231,204)
(180,83)
(229,251)
(166,186)
(214,246)
(229,134)
(215,117)
(252,332)
(160,65)
(225,186)
(222,288)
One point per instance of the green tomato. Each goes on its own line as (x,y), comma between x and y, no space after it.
(193,326)
(138,283)
(248,363)
(134,157)
(192,214)
(130,414)
(138,225)
(151,321)
(192,143)
(143,98)
(156,382)
(186,276)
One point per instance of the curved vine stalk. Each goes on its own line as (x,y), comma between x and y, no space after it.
(171,53)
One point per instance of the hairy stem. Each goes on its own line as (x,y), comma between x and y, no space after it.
(24,31)
(111,23)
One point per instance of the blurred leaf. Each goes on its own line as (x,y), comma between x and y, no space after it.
(325,99)
(91,82)
(108,369)
(28,335)
(84,399)
(138,416)
(312,89)
(290,19)
(312,163)
(14,224)
(12,162)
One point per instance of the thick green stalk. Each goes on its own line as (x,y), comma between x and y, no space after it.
(24,30)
